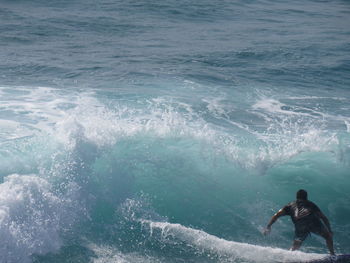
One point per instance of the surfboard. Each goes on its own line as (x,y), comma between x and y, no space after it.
(329,259)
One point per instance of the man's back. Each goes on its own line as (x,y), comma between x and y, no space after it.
(301,210)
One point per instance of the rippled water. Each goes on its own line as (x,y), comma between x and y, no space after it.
(171,131)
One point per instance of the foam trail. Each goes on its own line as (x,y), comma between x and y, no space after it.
(234,250)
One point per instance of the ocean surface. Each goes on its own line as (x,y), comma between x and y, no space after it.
(171,131)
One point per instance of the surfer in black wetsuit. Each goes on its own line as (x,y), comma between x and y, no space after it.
(306,217)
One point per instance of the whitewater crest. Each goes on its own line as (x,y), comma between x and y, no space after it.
(279,131)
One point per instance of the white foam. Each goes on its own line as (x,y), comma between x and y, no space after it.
(215,106)
(276,107)
(103,126)
(347,124)
(267,106)
(109,254)
(282,139)
(87,118)
(31,218)
(235,250)
(8,124)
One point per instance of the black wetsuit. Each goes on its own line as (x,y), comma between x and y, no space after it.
(305,218)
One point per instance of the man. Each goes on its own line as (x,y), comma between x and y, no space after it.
(306,217)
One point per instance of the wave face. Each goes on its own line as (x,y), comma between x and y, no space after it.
(170,131)
(90,177)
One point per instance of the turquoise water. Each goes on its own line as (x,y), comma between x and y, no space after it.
(171,131)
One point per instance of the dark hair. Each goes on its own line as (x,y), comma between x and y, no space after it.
(302,194)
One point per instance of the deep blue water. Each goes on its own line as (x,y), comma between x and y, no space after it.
(171,131)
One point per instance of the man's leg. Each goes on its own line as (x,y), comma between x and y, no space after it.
(296,244)
(300,234)
(329,240)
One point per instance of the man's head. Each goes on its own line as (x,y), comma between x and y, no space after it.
(302,194)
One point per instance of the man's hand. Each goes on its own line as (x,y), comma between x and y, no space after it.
(267,231)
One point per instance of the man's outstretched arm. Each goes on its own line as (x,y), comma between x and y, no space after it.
(273,219)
